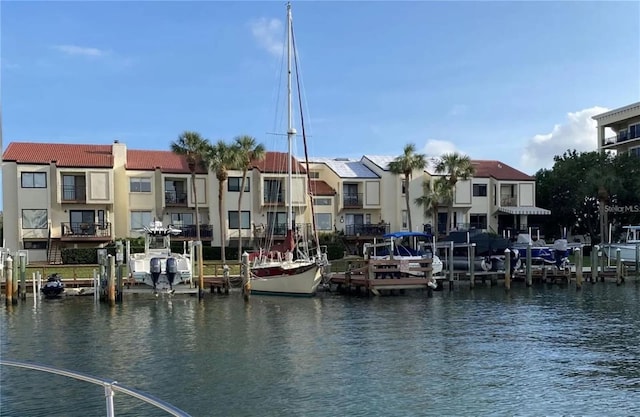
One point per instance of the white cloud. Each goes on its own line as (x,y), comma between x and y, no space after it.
(269,35)
(436,148)
(80,50)
(577,132)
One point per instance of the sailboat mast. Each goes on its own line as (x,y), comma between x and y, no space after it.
(291,131)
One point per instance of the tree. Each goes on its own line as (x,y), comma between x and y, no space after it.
(404,165)
(221,157)
(455,167)
(248,151)
(194,147)
(436,194)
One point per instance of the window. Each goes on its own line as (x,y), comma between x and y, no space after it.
(634,131)
(245,220)
(35,244)
(140,219)
(324,221)
(405,219)
(314,174)
(321,201)
(34,219)
(272,191)
(234,184)
(403,186)
(182,219)
(140,185)
(479,190)
(34,180)
(635,151)
(73,188)
(478,221)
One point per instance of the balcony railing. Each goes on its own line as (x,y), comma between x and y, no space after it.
(86,230)
(352,200)
(175,198)
(74,193)
(189,231)
(369,229)
(623,135)
(280,230)
(508,201)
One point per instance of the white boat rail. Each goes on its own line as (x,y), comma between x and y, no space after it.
(110,387)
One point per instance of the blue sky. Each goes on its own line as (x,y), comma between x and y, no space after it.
(513,81)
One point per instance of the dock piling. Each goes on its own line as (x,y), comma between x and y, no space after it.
(246,282)
(450,265)
(472,266)
(619,278)
(529,268)
(112,281)
(507,269)
(9,280)
(579,262)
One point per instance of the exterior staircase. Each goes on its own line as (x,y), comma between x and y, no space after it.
(54,252)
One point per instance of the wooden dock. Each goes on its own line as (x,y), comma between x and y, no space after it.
(383,275)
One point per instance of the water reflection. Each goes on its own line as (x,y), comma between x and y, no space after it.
(540,351)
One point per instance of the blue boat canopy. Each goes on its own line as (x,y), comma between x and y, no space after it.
(407,234)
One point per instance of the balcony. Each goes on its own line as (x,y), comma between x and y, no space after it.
(622,136)
(352,200)
(74,194)
(508,201)
(85,231)
(175,199)
(189,232)
(367,229)
(279,230)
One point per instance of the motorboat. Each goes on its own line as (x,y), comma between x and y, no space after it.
(628,246)
(542,254)
(411,246)
(158,267)
(489,251)
(54,287)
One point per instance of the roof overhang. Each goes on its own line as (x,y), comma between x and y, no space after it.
(532,210)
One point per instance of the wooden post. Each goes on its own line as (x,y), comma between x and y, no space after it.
(602,261)
(225,275)
(246,276)
(8,264)
(450,265)
(201,271)
(507,269)
(529,268)
(23,276)
(594,263)
(578,256)
(618,267)
(112,281)
(472,264)
(637,261)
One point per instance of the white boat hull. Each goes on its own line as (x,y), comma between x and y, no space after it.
(436,263)
(140,271)
(627,252)
(286,278)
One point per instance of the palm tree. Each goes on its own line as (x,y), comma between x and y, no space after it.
(436,194)
(404,165)
(456,167)
(221,157)
(248,151)
(193,146)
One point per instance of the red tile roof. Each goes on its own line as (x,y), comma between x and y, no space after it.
(167,161)
(276,163)
(319,187)
(498,170)
(66,155)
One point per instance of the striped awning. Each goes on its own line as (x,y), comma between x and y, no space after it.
(525,210)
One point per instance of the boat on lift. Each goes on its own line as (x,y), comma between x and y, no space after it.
(158,267)
(628,245)
(405,245)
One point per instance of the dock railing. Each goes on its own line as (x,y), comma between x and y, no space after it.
(110,387)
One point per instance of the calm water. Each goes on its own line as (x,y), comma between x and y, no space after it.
(536,351)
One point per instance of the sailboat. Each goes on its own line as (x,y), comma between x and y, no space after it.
(289,268)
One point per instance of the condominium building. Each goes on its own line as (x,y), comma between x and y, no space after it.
(68,195)
(625,124)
